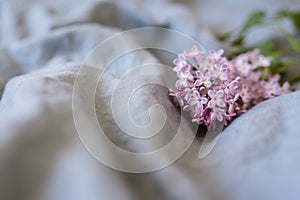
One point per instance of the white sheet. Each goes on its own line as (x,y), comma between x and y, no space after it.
(43,44)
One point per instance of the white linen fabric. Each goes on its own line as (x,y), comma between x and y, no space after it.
(43,44)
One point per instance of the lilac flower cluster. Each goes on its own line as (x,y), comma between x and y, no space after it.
(212,88)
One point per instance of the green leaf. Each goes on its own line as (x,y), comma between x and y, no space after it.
(256,18)
(224,37)
(283,67)
(276,63)
(293,16)
(278,66)
(292,41)
(267,48)
(238,41)
(294,79)
(282,14)
(296,20)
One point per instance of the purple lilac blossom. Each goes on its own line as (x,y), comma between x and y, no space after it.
(214,88)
